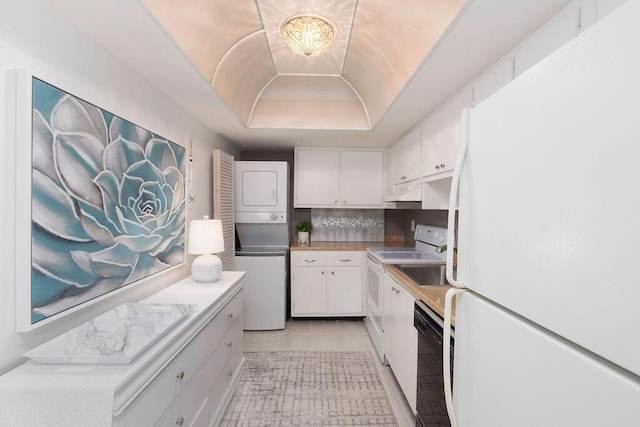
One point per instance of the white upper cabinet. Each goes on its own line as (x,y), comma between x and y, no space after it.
(317,178)
(493,80)
(403,168)
(442,136)
(404,158)
(338,178)
(559,30)
(361,178)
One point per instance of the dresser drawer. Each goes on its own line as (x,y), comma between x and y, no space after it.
(308,259)
(221,386)
(217,328)
(189,405)
(344,259)
(159,394)
(227,347)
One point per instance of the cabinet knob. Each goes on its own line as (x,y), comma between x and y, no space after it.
(403,177)
(397,291)
(442,165)
(180,375)
(437,167)
(322,272)
(230,344)
(335,202)
(332,273)
(230,315)
(180,421)
(230,373)
(393,288)
(344,201)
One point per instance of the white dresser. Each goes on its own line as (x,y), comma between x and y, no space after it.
(186,378)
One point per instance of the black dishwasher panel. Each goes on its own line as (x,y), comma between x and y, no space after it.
(430,402)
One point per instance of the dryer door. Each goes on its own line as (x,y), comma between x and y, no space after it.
(259,189)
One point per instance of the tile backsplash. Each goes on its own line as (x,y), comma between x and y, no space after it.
(340,225)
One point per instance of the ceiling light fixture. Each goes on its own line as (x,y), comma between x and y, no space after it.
(308,35)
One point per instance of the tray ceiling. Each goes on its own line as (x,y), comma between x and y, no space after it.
(236,46)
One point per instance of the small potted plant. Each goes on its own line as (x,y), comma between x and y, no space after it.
(303,228)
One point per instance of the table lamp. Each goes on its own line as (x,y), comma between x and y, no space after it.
(206,239)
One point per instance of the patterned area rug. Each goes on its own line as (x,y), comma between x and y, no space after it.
(299,388)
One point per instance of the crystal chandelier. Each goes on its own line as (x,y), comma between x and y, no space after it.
(308,35)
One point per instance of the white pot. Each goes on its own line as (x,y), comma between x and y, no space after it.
(303,237)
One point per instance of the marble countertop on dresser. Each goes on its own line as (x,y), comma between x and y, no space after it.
(342,246)
(432,296)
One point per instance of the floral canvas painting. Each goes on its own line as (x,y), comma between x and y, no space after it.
(107,205)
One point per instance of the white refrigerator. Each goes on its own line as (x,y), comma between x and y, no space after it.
(547,332)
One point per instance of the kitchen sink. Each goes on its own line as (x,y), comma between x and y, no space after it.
(425,275)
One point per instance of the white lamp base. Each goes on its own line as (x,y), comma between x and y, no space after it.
(206,268)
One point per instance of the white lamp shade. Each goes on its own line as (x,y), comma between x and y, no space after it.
(205,236)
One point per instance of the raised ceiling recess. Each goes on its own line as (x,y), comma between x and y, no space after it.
(237,46)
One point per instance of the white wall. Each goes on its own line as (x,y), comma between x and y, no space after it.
(34,36)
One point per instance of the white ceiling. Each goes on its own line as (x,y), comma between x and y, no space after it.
(224,62)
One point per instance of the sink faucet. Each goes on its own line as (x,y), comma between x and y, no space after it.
(441,249)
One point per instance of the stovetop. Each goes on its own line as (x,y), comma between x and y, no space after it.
(430,248)
(407,255)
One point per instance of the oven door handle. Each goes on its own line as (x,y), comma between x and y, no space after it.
(446,352)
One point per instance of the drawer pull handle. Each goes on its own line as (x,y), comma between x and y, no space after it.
(346,260)
(230,344)
(180,421)
(180,375)
(393,288)
(397,291)
(230,373)
(230,315)
(309,260)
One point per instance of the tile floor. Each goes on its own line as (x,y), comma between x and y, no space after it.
(332,335)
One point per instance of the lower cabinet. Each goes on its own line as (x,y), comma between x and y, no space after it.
(326,283)
(400,337)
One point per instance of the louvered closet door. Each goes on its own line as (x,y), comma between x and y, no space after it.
(223,205)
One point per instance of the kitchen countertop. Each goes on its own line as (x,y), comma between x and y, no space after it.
(342,246)
(432,296)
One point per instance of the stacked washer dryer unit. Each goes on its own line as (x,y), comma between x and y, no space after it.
(261,223)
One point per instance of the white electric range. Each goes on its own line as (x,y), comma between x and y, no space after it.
(430,248)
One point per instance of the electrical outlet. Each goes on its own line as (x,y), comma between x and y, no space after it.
(413,225)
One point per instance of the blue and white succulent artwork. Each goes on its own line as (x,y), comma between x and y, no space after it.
(108,205)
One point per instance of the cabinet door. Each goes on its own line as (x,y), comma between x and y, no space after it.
(407,336)
(442,135)
(361,178)
(344,291)
(407,152)
(309,291)
(317,178)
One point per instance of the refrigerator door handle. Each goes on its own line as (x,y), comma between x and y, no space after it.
(453,198)
(446,352)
